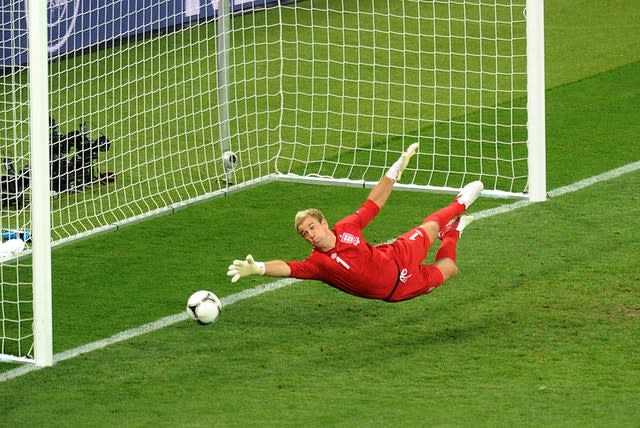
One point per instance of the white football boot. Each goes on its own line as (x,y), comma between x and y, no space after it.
(470,193)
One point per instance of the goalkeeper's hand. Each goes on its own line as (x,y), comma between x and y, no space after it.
(395,172)
(242,268)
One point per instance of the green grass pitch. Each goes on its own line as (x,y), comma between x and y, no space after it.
(541,327)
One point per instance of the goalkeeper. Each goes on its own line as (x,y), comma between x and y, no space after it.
(342,258)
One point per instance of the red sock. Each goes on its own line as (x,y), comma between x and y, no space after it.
(448,246)
(444,215)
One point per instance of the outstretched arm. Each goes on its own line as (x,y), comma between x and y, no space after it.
(277,268)
(381,192)
(248,266)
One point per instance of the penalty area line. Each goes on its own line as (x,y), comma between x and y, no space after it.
(264,288)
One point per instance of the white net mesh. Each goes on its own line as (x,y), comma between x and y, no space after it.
(363,80)
(147,96)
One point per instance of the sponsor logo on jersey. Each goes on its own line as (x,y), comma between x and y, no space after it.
(405,275)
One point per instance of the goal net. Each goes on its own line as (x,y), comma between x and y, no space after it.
(144,100)
(363,80)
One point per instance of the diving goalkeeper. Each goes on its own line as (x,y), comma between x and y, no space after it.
(342,258)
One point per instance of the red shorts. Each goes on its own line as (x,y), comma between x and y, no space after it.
(414,277)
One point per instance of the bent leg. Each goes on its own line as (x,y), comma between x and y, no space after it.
(431,228)
(460,203)
(445,215)
(447,253)
(448,268)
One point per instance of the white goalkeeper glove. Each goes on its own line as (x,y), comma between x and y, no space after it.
(395,172)
(242,268)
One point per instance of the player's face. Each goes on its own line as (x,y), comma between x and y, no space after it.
(317,233)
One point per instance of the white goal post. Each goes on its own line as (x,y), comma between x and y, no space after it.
(142,100)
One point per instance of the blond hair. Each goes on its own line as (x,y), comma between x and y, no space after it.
(310,212)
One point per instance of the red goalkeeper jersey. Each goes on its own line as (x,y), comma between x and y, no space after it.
(390,272)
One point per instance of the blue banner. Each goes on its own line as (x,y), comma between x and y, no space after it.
(76,25)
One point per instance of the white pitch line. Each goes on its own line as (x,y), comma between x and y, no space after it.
(252,292)
(146,328)
(167,321)
(630,167)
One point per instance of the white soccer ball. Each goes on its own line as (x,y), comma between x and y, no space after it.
(229,161)
(204,307)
